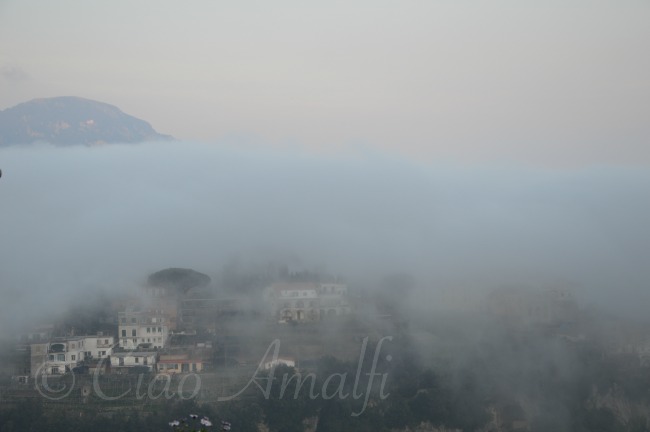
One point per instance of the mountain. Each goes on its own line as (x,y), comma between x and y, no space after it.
(72,120)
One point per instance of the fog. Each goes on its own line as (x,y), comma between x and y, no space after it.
(77,219)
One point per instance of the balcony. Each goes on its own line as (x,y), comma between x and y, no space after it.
(57,348)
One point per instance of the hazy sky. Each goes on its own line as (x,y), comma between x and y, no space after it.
(558,83)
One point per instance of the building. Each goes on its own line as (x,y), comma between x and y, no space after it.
(306,301)
(180,363)
(333,300)
(62,355)
(142,329)
(166,300)
(98,347)
(204,312)
(293,301)
(285,361)
(134,361)
(37,334)
(549,307)
(166,289)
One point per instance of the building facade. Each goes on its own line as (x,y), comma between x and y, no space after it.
(180,363)
(142,329)
(306,301)
(62,355)
(535,307)
(125,362)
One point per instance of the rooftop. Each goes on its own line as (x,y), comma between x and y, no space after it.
(296,286)
(135,354)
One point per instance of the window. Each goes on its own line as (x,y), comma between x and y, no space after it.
(123,333)
(122,320)
(133,332)
(135,341)
(73,345)
(60,357)
(137,359)
(51,357)
(148,329)
(105,341)
(121,361)
(73,357)
(133,321)
(159,329)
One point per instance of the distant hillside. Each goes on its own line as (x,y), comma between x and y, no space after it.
(71,121)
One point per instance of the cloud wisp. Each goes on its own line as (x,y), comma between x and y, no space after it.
(14,73)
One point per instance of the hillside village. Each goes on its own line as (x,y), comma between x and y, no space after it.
(177,326)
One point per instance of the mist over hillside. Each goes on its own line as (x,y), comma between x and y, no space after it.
(76,219)
(377,216)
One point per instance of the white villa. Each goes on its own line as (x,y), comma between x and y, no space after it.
(61,355)
(307,301)
(121,362)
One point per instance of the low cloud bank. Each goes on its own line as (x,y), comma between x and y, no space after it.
(78,219)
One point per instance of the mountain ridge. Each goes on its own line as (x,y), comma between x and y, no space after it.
(72,120)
